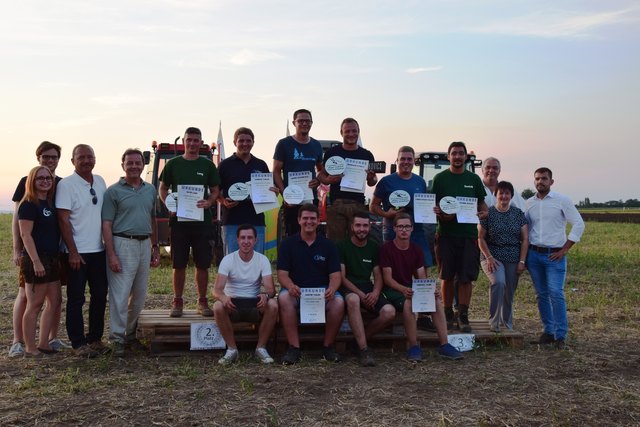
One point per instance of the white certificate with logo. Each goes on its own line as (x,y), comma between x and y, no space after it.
(424,296)
(423,204)
(468,211)
(189,196)
(355,176)
(312,305)
(260,185)
(302,179)
(205,336)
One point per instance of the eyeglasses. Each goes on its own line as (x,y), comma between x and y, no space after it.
(44,178)
(304,121)
(94,199)
(48,157)
(404,227)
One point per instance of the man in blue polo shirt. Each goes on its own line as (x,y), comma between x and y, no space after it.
(306,260)
(238,169)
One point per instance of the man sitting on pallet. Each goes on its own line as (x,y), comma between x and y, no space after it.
(400,261)
(309,260)
(238,297)
(359,261)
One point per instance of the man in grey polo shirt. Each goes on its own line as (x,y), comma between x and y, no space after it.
(130,237)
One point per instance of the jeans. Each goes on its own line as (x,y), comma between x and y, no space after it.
(548,280)
(231,241)
(94,271)
(504,282)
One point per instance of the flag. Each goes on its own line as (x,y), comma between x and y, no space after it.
(288,134)
(220,142)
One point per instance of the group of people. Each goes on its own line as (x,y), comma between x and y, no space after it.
(109,240)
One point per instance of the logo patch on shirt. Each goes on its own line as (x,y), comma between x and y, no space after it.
(319,258)
(46,212)
(366,260)
(199,174)
(468,186)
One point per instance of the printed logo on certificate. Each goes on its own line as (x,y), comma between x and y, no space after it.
(335,165)
(312,305)
(171,202)
(293,194)
(449,205)
(238,191)
(399,199)
(205,336)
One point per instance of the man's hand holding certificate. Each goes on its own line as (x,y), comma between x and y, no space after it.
(312,305)
(424,297)
(423,204)
(468,210)
(189,197)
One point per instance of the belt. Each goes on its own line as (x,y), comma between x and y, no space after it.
(128,236)
(544,250)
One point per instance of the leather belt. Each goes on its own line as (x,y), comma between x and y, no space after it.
(544,250)
(128,236)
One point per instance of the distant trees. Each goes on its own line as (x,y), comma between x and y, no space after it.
(527,193)
(629,203)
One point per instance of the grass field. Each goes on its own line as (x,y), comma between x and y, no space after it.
(595,382)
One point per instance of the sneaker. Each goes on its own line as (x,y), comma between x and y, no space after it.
(100,347)
(330,355)
(17,349)
(494,328)
(263,355)
(544,339)
(117,349)
(426,324)
(414,354)
(203,308)
(449,352)
(367,357)
(57,344)
(230,356)
(560,344)
(292,356)
(135,345)
(448,313)
(176,307)
(463,322)
(85,351)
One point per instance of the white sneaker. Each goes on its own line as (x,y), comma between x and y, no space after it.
(263,355)
(16,350)
(230,356)
(57,344)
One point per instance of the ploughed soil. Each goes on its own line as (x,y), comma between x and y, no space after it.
(611,217)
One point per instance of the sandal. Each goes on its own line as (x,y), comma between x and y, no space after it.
(47,350)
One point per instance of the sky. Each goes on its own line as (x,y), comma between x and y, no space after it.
(534,83)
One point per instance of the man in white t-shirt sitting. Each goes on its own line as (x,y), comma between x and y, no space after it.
(238,297)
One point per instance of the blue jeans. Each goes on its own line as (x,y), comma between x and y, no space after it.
(548,280)
(231,241)
(94,271)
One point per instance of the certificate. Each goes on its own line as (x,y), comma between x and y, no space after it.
(424,296)
(355,175)
(312,305)
(260,185)
(205,336)
(302,179)
(189,196)
(423,204)
(468,212)
(238,191)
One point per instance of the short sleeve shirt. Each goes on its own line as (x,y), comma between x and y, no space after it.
(233,170)
(503,233)
(244,278)
(308,265)
(403,263)
(45,233)
(358,261)
(129,209)
(298,157)
(358,154)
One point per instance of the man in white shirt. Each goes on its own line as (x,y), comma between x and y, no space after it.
(238,297)
(490,173)
(548,213)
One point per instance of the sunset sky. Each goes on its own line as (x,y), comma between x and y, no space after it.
(534,83)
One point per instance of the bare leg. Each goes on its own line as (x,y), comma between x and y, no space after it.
(410,323)
(289,318)
(50,312)
(178,281)
(385,318)
(269,317)
(447,292)
(355,320)
(464,293)
(202,280)
(439,321)
(335,313)
(224,324)
(35,299)
(19,306)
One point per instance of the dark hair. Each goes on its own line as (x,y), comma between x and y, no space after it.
(246,227)
(73,152)
(544,170)
(407,149)
(361,215)
(45,146)
(193,130)
(457,144)
(505,185)
(302,111)
(349,120)
(401,215)
(129,151)
(308,207)
(242,131)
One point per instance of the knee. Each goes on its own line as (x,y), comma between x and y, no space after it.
(218,308)
(353,302)
(272,306)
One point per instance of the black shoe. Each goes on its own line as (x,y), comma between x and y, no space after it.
(544,339)
(448,313)
(367,357)
(292,356)
(560,344)
(354,348)
(329,354)
(463,323)
(426,324)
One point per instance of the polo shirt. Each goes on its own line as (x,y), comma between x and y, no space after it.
(233,170)
(308,265)
(360,154)
(129,209)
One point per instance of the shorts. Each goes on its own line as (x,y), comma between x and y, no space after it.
(395,298)
(246,310)
(382,301)
(184,238)
(297,300)
(51,264)
(459,256)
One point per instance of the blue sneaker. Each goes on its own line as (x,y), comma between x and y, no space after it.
(414,354)
(449,352)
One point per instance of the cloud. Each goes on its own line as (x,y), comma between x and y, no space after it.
(250,57)
(423,69)
(556,24)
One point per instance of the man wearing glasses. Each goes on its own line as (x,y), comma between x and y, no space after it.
(297,153)
(401,261)
(79,203)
